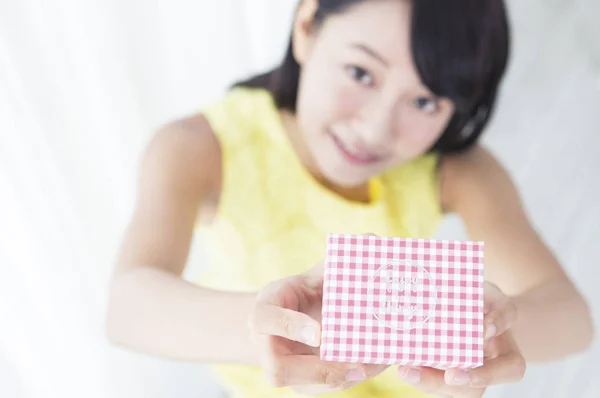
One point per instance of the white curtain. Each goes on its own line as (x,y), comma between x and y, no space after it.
(84,83)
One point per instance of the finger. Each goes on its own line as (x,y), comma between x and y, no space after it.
(492,296)
(316,390)
(432,381)
(500,320)
(271,320)
(501,370)
(309,370)
(501,312)
(313,279)
(501,345)
(508,367)
(374,370)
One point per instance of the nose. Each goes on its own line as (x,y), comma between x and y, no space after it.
(376,122)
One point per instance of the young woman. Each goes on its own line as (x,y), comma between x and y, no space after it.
(369,125)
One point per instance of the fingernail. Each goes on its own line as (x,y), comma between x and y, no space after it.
(490,331)
(356,375)
(460,378)
(308,334)
(410,375)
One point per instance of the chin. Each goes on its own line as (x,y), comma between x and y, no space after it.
(338,172)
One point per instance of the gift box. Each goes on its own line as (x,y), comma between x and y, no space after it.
(412,302)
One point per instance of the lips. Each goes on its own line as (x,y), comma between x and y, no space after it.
(354,155)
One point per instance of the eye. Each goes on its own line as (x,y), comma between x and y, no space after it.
(360,75)
(427,104)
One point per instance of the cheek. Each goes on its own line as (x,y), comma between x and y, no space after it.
(418,135)
(345,102)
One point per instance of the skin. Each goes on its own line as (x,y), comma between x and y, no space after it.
(386,113)
(374,101)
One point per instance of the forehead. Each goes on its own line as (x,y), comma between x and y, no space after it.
(383,25)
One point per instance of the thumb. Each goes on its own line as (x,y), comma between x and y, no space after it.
(268,319)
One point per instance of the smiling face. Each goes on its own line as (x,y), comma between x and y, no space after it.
(362,107)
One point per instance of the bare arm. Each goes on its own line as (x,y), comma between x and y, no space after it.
(553,318)
(151,309)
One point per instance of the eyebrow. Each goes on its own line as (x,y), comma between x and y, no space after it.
(369,51)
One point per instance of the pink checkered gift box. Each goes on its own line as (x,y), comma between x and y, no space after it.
(412,302)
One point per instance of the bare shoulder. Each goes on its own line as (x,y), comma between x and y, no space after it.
(185,156)
(179,173)
(480,190)
(476,179)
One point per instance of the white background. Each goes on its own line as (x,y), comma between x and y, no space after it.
(84,83)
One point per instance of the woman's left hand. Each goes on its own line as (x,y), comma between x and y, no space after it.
(503,363)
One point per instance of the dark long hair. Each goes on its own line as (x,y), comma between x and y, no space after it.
(460,49)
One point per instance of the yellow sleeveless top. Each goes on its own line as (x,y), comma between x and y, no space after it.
(273,218)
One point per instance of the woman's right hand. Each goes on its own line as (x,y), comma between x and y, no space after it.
(284,324)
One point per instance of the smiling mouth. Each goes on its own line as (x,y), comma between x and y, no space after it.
(354,155)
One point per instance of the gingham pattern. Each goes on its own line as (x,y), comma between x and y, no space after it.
(412,302)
